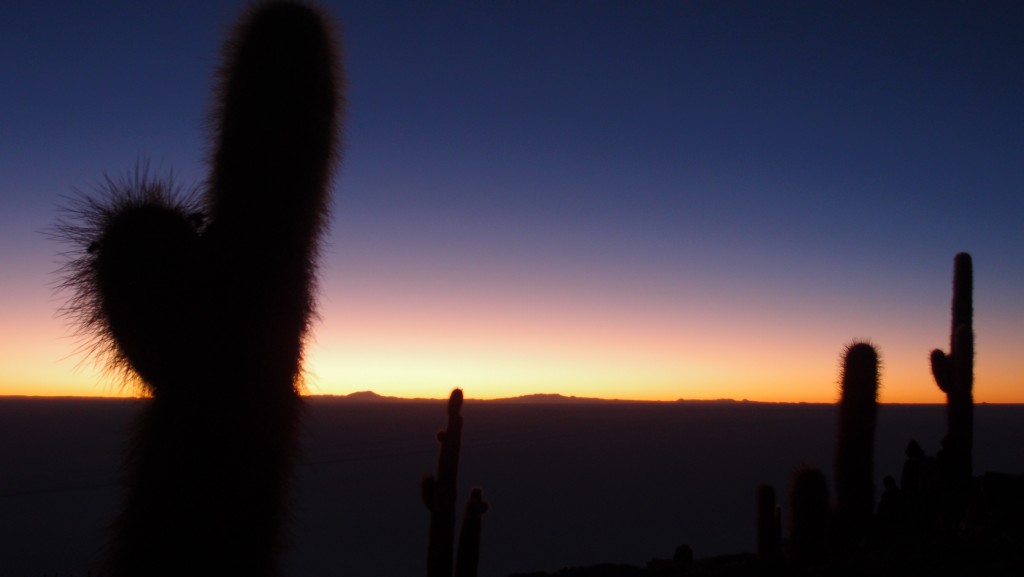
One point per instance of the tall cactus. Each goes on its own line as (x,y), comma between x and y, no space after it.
(439,495)
(954,373)
(207,304)
(855,450)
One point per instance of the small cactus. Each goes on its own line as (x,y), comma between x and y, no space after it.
(468,558)
(855,451)
(769,538)
(809,517)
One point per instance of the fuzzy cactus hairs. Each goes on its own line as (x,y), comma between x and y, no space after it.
(205,302)
(855,448)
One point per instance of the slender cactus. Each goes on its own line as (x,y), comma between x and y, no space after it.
(855,451)
(954,374)
(439,493)
(468,558)
(206,305)
(769,538)
(809,517)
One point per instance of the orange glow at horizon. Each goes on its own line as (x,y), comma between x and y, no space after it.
(410,369)
(630,351)
(627,349)
(483,374)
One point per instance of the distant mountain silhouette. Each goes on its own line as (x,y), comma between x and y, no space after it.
(538,398)
(534,398)
(364,396)
(551,398)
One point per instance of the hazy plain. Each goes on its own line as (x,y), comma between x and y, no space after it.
(569,482)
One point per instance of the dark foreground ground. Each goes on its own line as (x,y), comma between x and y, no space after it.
(570,484)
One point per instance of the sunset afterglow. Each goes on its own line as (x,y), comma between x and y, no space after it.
(622,347)
(631,201)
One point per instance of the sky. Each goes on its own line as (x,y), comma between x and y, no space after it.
(635,200)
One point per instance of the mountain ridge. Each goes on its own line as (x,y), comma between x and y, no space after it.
(532,398)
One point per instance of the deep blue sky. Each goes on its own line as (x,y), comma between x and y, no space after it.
(777,174)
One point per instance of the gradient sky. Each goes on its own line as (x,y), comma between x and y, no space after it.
(646,200)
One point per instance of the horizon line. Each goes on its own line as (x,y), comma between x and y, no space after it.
(528,398)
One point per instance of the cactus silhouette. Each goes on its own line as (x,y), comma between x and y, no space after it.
(855,450)
(439,495)
(206,302)
(468,558)
(769,538)
(809,517)
(954,373)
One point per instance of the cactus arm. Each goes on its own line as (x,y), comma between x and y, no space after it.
(942,370)
(132,275)
(275,146)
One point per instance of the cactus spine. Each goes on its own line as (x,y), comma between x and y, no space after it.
(855,459)
(954,374)
(207,304)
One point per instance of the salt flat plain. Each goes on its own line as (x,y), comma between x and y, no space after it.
(569,482)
